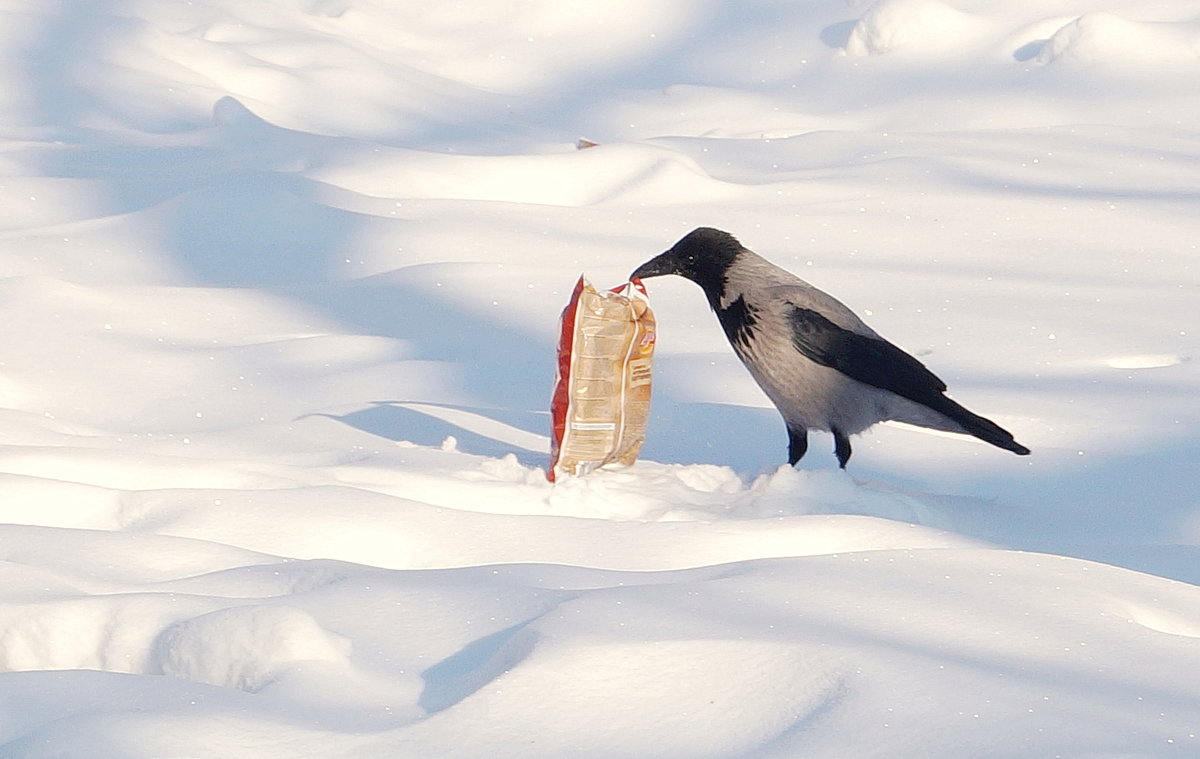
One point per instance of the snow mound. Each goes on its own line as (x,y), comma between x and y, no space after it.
(246,647)
(628,173)
(1154,361)
(1108,38)
(86,633)
(704,687)
(919,27)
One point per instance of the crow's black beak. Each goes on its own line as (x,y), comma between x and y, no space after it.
(656,267)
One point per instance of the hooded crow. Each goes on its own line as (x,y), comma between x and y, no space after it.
(820,365)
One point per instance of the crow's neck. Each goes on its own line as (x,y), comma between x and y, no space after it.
(738,319)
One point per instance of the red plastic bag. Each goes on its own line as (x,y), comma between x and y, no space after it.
(602,389)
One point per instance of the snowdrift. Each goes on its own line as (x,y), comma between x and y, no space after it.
(280,288)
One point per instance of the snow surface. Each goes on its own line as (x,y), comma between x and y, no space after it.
(281,283)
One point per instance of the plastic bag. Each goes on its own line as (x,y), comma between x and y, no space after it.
(602,389)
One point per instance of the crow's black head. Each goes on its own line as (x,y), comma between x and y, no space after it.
(703,256)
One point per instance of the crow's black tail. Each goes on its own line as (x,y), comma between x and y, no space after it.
(984,429)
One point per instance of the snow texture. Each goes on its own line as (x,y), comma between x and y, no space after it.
(280,286)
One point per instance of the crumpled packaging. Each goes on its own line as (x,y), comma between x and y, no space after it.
(602,386)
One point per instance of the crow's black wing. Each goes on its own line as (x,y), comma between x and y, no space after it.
(876,362)
(869,360)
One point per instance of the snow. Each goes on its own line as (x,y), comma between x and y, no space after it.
(280,287)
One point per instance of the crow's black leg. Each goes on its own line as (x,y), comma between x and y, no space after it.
(797,444)
(841,447)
